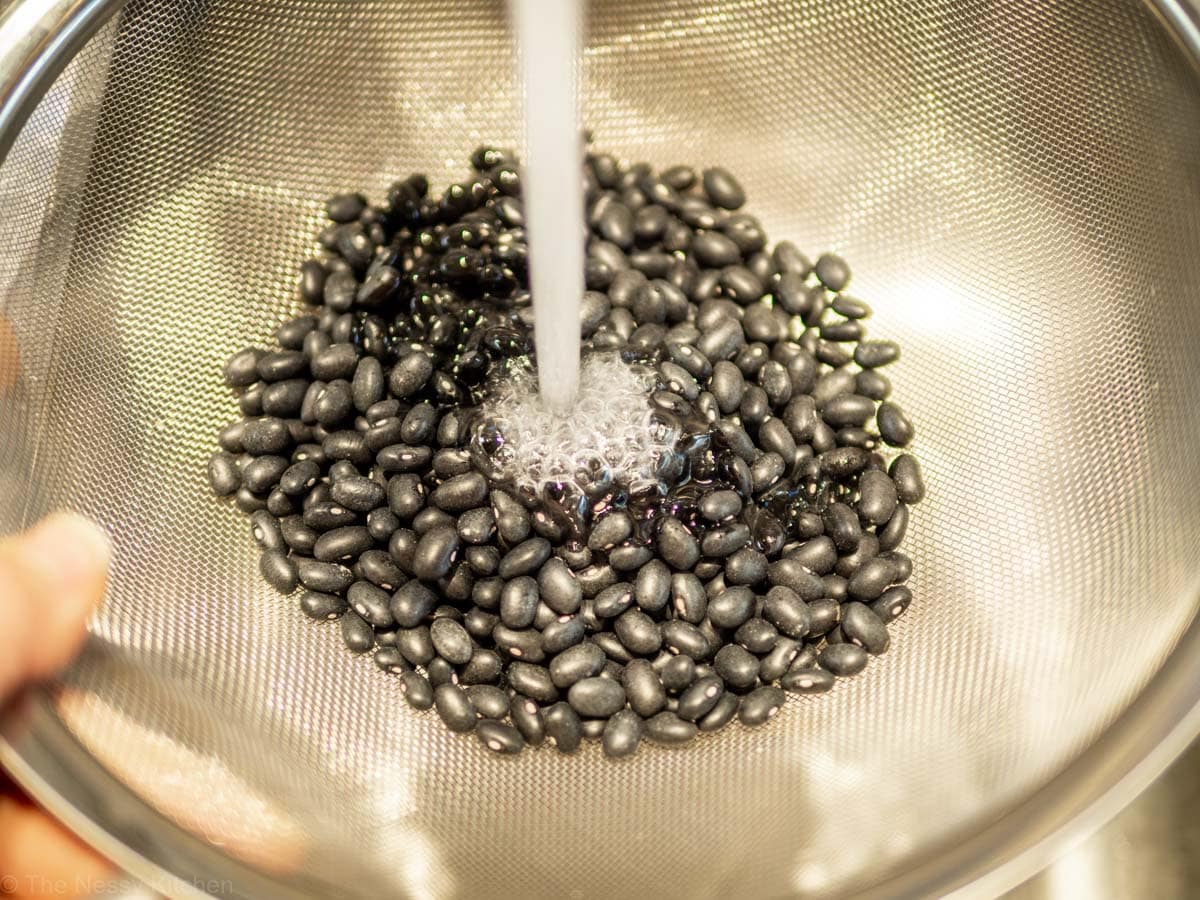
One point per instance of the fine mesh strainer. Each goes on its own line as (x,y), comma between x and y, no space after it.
(1018,185)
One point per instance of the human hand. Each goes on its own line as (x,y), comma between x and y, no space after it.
(51,578)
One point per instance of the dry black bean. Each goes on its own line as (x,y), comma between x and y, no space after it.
(371,603)
(894,426)
(760,705)
(563,727)
(892,603)
(731,607)
(737,666)
(722,189)
(622,734)
(667,728)
(322,606)
(454,707)
(872,579)
(223,474)
(757,635)
(438,671)
(357,634)
(809,680)
(490,702)
(843,659)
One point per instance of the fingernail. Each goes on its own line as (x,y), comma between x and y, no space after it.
(69,549)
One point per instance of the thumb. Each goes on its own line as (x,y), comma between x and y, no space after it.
(51,578)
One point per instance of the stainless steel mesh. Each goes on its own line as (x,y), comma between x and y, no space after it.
(1018,185)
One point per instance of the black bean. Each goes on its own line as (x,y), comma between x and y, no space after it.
(436,552)
(686,639)
(677,672)
(533,681)
(438,671)
(894,426)
(558,587)
(892,603)
(499,737)
(872,579)
(676,544)
(844,461)
(416,689)
(451,641)
(379,569)
(223,474)
(519,602)
(848,409)
(906,475)
(868,548)
(612,600)
(279,571)
(381,523)
(345,207)
(863,627)
(611,530)
(327,515)
(731,607)
(371,603)
(358,493)
(786,611)
(843,659)
(326,577)
(454,707)
(723,189)
(419,424)
(700,697)
(526,557)
(477,526)
(410,374)
(411,604)
(266,436)
(873,354)
(357,634)
(652,587)
(596,697)
(312,281)
(350,446)
(490,702)
(461,493)
(643,688)
(810,680)
(622,734)
(479,622)
(321,606)
(877,498)
(745,567)
(760,705)
(779,660)
(793,574)
(713,249)
(416,645)
(638,632)
(629,557)
(832,271)
(688,598)
(737,666)
(281,365)
(527,717)
(667,728)
(405,496)
(563,727)
(299,478)
(842,526)
(757,635)
(343,543)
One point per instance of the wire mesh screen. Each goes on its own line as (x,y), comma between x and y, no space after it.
(1018,186)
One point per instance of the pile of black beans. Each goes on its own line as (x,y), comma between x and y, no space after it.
(765,561)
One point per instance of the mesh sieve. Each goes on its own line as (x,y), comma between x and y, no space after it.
(1018,184)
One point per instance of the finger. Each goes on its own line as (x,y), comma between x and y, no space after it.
(39,859)
(51,578)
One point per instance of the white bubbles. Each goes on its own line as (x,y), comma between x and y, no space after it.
(611,434)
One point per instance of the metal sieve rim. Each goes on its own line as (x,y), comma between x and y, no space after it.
(54,768)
